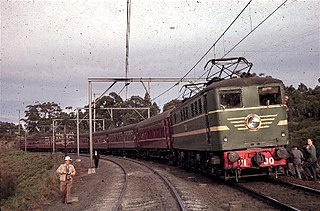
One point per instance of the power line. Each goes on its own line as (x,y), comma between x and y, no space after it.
(255,28)
(212,46)
(250,33)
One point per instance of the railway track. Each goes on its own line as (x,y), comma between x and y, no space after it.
(131,203)
(282,195)
(124,187)
(296,186)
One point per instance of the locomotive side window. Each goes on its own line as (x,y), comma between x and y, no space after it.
(186,113)
(200,106)
(269,95)
(230,99)
(196,108)
(192,110)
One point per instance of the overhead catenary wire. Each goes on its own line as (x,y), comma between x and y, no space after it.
(206,53)
(255,28)
(249,34)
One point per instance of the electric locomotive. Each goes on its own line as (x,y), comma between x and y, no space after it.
(234,127)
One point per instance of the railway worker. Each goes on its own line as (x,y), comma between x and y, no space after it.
(297,157)
(311,159)
(96,158)
(66,172)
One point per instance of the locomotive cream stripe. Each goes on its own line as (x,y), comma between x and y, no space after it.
(243,109)
(268,119)
(283,122)
(236,122)
(183,122)
(270,115)
(239,122)
(200,131)
(233,109)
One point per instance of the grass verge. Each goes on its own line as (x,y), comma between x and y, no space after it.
(27,180)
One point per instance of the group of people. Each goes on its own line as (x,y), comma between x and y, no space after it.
(305,161)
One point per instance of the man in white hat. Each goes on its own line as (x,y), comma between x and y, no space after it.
(66,172)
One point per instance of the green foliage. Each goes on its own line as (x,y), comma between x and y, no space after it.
(8,130)
(171,104)
(304,114)
(27,179)
(39,117)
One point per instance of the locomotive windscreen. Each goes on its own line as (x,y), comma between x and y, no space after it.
(231,98)
(269,95)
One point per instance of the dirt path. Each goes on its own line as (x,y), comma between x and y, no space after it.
(89,189)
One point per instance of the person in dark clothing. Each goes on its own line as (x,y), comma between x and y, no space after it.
(297,157)
(311,159)
(96,158)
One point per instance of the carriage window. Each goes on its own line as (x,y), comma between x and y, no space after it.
(230,99)
(269,95)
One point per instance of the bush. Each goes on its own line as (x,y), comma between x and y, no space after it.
(7,185)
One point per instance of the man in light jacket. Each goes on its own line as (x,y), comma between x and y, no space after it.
(66,172)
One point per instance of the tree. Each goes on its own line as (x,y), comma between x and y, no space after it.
(8,130)
(39,117)
(171,104)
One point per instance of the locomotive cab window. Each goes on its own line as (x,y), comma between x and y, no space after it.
(230,99)
(269,95)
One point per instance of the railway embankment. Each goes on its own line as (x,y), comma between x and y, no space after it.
(27,180)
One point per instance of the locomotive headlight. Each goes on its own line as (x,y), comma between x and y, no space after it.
(253,121)
(225,139)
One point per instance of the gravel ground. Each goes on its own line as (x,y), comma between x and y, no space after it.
(98,191)
(203,193)
(291,196)
(311,184)
(146,191)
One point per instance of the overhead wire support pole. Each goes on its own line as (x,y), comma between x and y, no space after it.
(127,43)
(78,133)
(90,122)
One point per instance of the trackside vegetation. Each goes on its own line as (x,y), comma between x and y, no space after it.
(27,180)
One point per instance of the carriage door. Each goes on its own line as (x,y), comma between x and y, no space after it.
(206,118)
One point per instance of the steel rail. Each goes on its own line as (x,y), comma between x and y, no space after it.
(124,188)
(298,186)
(273,202)
(166,181)
(125,185)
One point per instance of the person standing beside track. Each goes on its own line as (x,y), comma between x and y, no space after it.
(297,157)
(311,159)
(66,172)
(96,158)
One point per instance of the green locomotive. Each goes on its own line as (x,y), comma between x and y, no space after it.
(233,127)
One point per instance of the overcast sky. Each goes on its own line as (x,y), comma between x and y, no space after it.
(50,48)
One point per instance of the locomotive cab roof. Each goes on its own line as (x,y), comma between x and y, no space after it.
(240,82)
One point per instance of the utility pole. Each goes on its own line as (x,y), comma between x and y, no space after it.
(19,128)
(65,139)
(53,137)
(127,43)
(25,140)
(90,123)
(78,133)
